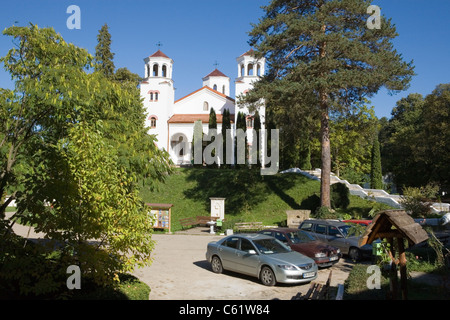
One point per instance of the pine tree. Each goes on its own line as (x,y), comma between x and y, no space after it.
(322,56)
(103,55)
(376,178)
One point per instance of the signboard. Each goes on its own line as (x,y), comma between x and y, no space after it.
(161,213)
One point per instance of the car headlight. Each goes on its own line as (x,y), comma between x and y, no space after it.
(320,255)
(287,267)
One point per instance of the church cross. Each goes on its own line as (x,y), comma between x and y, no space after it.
(216,64)
(159,44)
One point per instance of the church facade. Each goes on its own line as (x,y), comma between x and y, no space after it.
(172,121)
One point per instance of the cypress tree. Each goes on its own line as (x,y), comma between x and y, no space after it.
(257,138)
(376,177)
(103,55)
(226,136)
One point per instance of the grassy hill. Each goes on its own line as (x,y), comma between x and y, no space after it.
(249,196)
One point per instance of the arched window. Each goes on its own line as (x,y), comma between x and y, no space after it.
(215,87)
(223,89)
(148,71)
(155,70)
(153,122)
(249,122)
(205,106)
(154,95)
(250,69)
(258,70)
(242,70)
(164,71)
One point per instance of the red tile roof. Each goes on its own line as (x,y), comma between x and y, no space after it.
(206,88)
(216,73)
(159,53)
(191,118)
(250,52)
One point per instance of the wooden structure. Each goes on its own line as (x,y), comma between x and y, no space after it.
(195,221)
(248,226)
(162,214)
(316,291)
(395,224)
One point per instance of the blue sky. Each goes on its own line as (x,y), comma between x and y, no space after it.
(198,33)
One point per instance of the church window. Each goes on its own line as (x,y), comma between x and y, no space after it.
(250,69)
(205,106)
(155,70)
(249,122)
(164,71)
(242,70)
(258,70)
(154,95)
(223,89)
(148,71)
(153,122)
(215,87)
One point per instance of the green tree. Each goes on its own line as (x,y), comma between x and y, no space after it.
(376,176)
(256,143)
(75,155)
(226,137)
(400,142)
(103,55)
(322,55)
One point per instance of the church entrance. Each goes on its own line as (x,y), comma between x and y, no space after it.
(180,149)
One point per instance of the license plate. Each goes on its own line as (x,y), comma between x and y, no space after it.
(309,274)
(333,258)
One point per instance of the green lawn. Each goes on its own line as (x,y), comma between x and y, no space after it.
(249,196)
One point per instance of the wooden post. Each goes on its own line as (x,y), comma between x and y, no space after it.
(402,263)
(393,272)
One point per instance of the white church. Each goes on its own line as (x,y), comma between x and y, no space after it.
(173,121)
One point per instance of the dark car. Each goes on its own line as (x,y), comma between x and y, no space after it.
(337,233)
(322,253)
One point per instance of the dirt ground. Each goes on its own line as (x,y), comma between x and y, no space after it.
(180,271)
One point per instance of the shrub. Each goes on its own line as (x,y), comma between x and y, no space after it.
(340,196)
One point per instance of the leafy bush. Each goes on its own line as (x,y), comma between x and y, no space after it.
(417,201)
(340,196)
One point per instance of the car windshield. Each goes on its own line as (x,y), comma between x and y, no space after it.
(344,229)
(300,237)
(270,246)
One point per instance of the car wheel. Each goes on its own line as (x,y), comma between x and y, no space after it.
(267,277)
(216,265)
(354,254)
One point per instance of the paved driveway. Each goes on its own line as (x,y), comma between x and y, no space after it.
(180,271)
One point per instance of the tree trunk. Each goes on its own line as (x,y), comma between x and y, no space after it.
(324,136)
(326,152)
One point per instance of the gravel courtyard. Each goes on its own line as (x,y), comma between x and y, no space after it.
(180,271)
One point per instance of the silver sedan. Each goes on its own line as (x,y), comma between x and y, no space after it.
(260,256)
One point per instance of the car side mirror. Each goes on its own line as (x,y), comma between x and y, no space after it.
(251,252)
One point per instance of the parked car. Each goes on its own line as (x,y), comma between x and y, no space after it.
(337,233)
(360,222)
(260,256)
(322,253)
